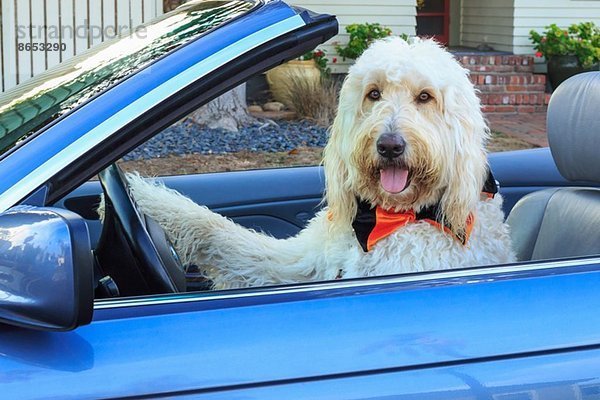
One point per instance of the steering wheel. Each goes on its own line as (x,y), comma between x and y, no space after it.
(133,249)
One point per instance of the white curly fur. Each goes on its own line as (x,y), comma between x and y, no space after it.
(445,152)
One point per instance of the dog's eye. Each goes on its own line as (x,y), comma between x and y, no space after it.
(374,95)
(424,97)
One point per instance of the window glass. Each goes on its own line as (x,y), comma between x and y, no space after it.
(276,119)
(31,106)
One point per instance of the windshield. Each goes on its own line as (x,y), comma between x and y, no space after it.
(31,106)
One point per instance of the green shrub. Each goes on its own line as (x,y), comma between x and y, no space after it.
(581,40)
(361,36)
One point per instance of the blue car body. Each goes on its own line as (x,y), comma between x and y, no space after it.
(522,331)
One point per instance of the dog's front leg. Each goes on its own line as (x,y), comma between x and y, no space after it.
(231,255)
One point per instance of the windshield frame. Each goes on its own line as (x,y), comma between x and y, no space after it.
(68,64)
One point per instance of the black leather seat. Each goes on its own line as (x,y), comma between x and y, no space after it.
(565,222)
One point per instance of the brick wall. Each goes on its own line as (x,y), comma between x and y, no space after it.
(507,83)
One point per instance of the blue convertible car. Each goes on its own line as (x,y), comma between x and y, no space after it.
(529,330)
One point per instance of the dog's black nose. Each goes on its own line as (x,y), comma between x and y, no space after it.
(391,145)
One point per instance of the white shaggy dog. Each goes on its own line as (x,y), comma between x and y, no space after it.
(407,145)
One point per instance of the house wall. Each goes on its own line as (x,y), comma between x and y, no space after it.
(502,24)
(489,22)
(73,26)
(399,15)
(536,14)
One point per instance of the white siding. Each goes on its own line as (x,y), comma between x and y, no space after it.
(76,24)
(81,21)
(398,15)
(505,24)
(38,58)
(21,10)
(136,8)
(66,35)
(95,20)
(52,37)
(489,22)
(536,14)
(8,62)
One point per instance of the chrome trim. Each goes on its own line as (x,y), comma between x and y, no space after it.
(341,284)
(124,116)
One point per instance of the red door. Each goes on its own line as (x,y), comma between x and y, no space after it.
(433,19)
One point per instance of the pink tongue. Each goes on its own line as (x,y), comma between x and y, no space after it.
(393,179)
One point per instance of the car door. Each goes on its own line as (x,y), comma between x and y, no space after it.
(265,200)
(527,331)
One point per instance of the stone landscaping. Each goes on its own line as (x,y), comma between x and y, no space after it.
(270,136)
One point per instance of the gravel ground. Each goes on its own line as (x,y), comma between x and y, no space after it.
(188,149)
(243,160)
(189,138)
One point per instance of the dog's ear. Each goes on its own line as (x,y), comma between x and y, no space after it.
(462,113)
(338,192)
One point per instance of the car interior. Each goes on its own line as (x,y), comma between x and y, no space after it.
(563,221)
(551,200)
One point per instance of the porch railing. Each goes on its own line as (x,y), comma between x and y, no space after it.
(38,34)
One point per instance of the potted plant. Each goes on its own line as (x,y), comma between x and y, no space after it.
(311,66)
(568,51)
(361,36)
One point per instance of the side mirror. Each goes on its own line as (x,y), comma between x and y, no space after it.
(46,269)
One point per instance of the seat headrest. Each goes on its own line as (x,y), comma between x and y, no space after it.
(574,127)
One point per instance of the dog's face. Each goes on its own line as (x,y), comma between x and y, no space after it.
(409,132)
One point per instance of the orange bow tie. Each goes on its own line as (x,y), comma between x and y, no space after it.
(387,222)
(374,224)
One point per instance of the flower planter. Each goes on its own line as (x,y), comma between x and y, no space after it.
(560,68)
(278,78)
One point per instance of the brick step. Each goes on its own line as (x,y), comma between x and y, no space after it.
(511,88)
(497,64)
(514,102)
(482,79)
(509,59)
(499,89)
(507,83)
(496,59)
(512,109)
(501,69)
(513,98)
